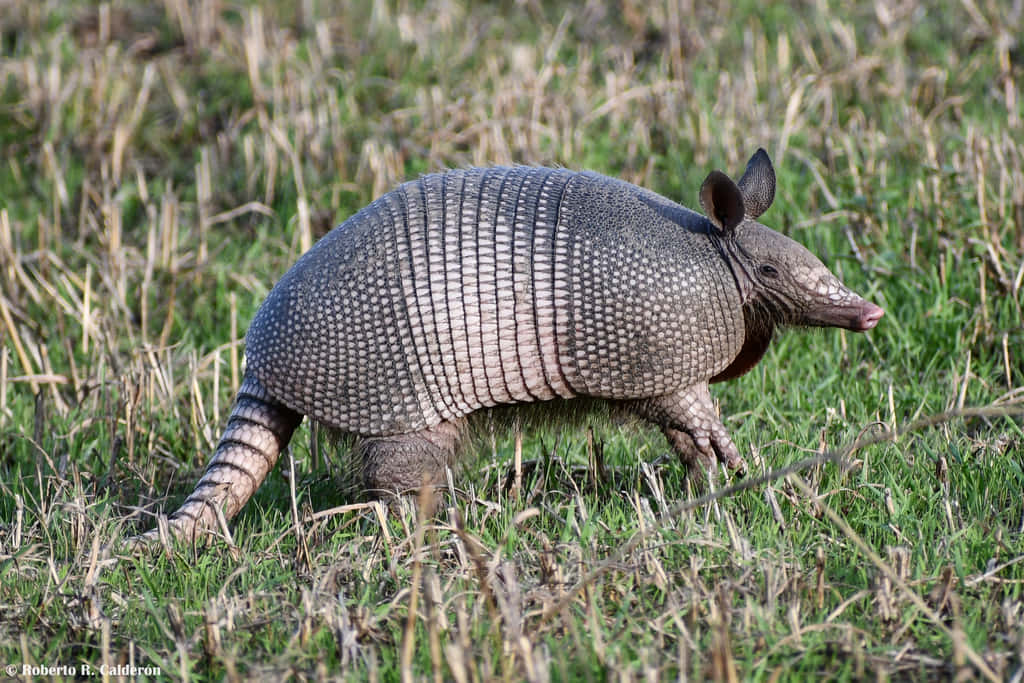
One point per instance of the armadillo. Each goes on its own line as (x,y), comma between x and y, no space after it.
(485,287)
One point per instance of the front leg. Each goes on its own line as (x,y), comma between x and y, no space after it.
(689,422)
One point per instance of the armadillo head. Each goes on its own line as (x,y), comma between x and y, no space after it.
(779,279)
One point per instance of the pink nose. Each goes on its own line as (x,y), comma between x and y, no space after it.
(870,316)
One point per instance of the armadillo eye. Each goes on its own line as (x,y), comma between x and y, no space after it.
(768,270)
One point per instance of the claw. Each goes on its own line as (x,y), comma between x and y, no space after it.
(737,467)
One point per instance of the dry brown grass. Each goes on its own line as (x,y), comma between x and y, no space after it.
(164,164)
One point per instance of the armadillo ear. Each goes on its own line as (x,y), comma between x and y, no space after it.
(722,202)
(758,184)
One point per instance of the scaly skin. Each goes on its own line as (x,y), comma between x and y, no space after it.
(257,431)
(485,287)
(403,463)
(691,425)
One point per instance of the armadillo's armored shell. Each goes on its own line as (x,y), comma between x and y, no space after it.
(491,286)
(508,285)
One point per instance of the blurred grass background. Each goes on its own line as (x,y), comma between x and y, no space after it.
(164,163)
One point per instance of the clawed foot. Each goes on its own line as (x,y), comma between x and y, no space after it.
(703,456)
(693,428)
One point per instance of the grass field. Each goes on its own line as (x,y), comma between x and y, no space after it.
(164,163)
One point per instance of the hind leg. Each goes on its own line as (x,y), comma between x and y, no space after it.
(406,462)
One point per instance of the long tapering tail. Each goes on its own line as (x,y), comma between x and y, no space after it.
(258,430)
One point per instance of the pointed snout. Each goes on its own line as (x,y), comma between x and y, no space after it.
(854,314)
(870,314)
(833,304)
(848,311)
